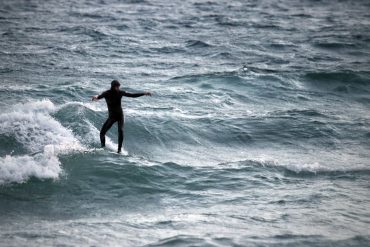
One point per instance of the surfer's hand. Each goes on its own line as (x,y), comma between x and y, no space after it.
(147,94)
(94,98)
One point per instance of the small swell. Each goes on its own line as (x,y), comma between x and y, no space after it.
(304,112)
(333,45)
(197,44)
(359,78)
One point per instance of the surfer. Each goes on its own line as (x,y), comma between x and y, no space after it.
(113,98)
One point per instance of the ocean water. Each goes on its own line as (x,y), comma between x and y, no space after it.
(257,133)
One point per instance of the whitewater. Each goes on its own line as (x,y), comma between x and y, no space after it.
(257,132)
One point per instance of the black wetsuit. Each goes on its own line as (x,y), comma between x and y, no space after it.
(113,99)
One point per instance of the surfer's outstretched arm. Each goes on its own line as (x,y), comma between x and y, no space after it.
(135,95)
(98,97)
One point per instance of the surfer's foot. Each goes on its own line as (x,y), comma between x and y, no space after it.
(119,151)
(103,145)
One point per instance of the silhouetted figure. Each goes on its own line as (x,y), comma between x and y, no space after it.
(113,98)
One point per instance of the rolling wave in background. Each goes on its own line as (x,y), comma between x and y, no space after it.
(257,133)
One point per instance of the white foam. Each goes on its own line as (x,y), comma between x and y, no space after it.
(308,161)
(10,87)
(37,131)
(32,125)
(94,106)
(19,169)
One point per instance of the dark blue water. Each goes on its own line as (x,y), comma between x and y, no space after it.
(257,133)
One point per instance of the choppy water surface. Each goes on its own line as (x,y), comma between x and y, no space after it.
(257,133)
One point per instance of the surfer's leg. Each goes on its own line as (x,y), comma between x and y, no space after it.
(120,124)
(106,126)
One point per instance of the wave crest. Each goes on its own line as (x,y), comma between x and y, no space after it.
(41,136)
(18,169)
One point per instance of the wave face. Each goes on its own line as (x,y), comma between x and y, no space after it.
(257,133)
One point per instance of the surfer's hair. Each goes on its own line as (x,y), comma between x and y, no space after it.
(115,83)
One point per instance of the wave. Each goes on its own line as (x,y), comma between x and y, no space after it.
(340,81)
(222,80)
(300,112)
(139,175)
(182,240)
(296,169)
(333,45)
(83,30)
(33,127)
(227,21)
(167,49)
(197,44)
(18,169)
(37,133)
(349,77)
(170,129)
(241,81)
(38,139)
(255,241)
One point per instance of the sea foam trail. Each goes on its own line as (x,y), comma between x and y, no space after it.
(43,138)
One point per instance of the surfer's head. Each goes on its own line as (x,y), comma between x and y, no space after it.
(115,85)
